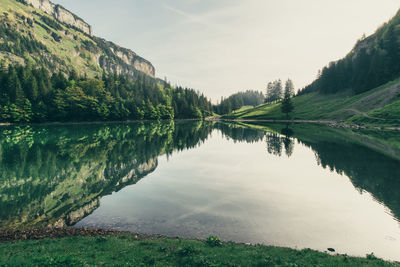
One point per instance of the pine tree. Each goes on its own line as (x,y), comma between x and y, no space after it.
(73,76)
(274,91)
(277,95)
(287,105)
(289,86)
(14,88)
(32,89)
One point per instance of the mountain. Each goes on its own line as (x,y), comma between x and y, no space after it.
(41,33)
(371,63)
(52,68)
(361,88)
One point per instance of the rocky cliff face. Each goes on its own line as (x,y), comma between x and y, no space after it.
(89,55)
(61,14)
(122,60)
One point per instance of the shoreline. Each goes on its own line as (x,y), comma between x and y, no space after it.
(333,124)
(15,235)
(40,233)
(79,246)
(55,123)
(329,123)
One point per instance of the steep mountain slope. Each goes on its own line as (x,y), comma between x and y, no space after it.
(362,88)
(372,62)
(41,33)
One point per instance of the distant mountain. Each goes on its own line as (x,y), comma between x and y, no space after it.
(41,33)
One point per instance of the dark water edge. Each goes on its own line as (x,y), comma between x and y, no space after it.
(329,123)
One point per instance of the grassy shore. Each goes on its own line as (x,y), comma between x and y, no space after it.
(129,250)
(377,107)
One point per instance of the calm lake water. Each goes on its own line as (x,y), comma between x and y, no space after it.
(299,186)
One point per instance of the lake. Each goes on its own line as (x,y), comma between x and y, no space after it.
(298,186)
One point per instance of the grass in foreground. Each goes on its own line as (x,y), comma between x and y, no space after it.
(128,251)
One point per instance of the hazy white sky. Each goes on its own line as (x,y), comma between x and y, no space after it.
(222,46)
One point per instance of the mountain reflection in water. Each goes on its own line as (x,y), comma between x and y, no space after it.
(57,174)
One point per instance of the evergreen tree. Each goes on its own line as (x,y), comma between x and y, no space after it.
(84,99)
(287,105)
(31,89)
(73,76)
(235,101)
(277,90)
(269,93)
(289,87)
(274,91)
(14,88)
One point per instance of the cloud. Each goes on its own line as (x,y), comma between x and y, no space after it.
(203,19)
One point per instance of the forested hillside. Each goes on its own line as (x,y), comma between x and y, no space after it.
(373,62)
(30,94)
(238,100)
(363,88)
(52,70)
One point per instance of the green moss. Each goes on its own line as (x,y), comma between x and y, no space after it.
(128,251)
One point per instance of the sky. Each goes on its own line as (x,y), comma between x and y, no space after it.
(220,47)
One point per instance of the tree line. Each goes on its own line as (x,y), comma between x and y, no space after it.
(238,100)
(29,94)
(372,63)
(275,91)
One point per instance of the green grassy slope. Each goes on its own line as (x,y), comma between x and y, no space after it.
(30,36)
(380,106)
(388,115)
(244,108)
(61,55)
(128,251)
(344,90)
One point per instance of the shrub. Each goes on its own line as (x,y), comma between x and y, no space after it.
(213,241)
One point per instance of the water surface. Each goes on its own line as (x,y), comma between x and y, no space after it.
(297,186)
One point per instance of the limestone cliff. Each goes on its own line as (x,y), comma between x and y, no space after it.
(62,42)
(61,14)
(124,60)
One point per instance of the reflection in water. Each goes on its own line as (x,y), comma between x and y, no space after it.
(368,170)
(288,142)
(240,134)
(56,175)
(277,142)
